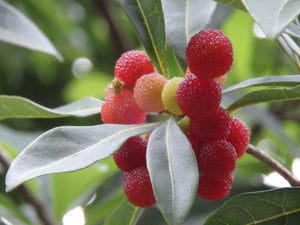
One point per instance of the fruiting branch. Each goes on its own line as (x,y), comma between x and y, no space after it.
(273,164)
(41,211)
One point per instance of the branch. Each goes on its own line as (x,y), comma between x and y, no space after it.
(273,164)
(25,192)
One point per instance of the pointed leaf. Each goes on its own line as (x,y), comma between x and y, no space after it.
(233,3)
(173,171)
(280,14)
(266,95)
(147,19)
(126,214)
(183,19)
(280,206)
(70,148)
(18,107)
(17,29)
(275,81)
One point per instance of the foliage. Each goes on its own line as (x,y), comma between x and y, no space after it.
(164,29)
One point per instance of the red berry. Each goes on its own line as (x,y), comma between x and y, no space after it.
(213,190)
(196,144)
(209,54)
(147,92)
(198,97)
(122,109)
(216,159)
(138,187)
(132,65)
(238,136)
(132,154)
(213,127)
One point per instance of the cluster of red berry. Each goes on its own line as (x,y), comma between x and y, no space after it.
(217,138)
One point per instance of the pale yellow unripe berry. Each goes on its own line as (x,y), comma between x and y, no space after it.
(169,95)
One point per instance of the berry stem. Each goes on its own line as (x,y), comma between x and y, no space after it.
(273,164)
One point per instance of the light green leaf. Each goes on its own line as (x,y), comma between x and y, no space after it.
(281,206)
(19,107)
(69,148)
(147,19)
(173,171)
(233,3)
(126,214)
(17,29)
(266,95)
(183,19)
(280,13)
(275,81)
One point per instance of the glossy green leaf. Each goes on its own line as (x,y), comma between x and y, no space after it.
(70,148)
(173,171)
(17,29)
(183,19)
(19,107)
(233,3)
(266,95)
(147,19)
(126,214)
(280,206)
(275,81)
(280,14)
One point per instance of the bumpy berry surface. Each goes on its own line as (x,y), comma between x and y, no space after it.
(196,144)
(132,65)
(238,136)
(209,54)
(213,190)
(169,95)
(198,97)
(138,188)
(213,127)
(122,109)
(216,159)
(147,92)
(132,154)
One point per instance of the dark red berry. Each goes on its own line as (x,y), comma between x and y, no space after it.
(213,190)
(195,143)
(238,136)
(138,187)
(198,97)
(122,109)
(132,65)
(132,154)
(209,54)
(216,159)
(213,127)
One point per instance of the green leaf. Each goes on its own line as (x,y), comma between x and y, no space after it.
(147,19)
(278,206)
(233,3)
(280,14)
(183,19)
(276,81)
(17,29)
(266,95)
(70,148)
(173,171)
(126,214)
(18,107)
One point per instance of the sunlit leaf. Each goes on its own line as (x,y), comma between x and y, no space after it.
(233,3)
(126,214)
(275,81)
(266,95)
(173,171)
(280,13)
(147,19)
(183,19)
(281,206)
(19,107)
(17,29)
(70,148)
